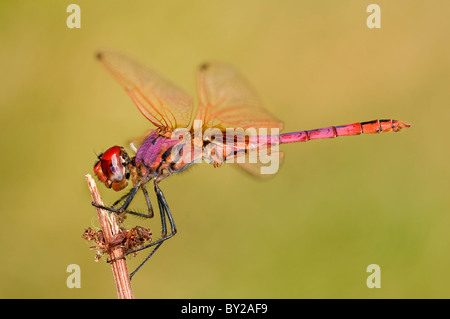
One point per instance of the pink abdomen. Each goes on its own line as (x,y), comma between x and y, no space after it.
(375,126)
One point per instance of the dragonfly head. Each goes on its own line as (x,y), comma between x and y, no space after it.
(113,168)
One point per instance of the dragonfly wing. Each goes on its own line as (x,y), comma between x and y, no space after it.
(226,99)
(161,102)
(254,169)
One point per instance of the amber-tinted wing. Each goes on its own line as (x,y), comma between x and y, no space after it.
(255,168)
(161,102)
(226,99)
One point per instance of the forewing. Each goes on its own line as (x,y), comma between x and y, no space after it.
(161,102)
(226,100)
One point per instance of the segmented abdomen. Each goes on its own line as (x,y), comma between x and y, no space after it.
(375,126)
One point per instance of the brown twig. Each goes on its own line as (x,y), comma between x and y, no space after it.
(110,228)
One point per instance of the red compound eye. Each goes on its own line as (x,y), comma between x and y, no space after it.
(110,168)
(98,171)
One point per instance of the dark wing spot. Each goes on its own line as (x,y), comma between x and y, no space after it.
(204,66)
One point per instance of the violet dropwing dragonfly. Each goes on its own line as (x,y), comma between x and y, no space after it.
(226,101)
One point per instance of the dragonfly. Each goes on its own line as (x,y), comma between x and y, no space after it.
(225,101)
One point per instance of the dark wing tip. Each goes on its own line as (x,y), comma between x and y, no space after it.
(99,55)
(205,66)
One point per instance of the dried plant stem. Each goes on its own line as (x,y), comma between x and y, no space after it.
(110,228)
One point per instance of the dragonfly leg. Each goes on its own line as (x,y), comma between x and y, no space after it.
(128,199)
(121,199)
(164,210)
(163,201)
(147,200)
(146,259)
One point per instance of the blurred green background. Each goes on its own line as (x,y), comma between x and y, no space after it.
(335,206)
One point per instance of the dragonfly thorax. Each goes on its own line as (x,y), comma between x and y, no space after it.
(154,158)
